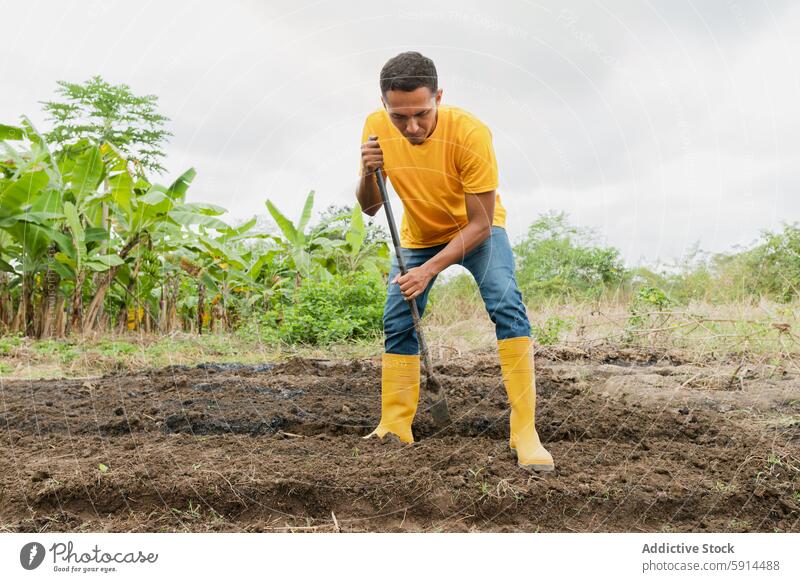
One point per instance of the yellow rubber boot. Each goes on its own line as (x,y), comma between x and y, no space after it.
(399,396)
(516,363)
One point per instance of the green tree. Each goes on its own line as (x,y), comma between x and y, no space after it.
(106,113)
(771,268)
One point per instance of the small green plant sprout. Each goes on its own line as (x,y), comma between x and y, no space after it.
(549,333)
(722,487)
(648,310)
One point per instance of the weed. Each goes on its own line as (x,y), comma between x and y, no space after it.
(739,524)
(605,496)
(61,351)
(649,309)
(483,485)
(193,512)
(115,348)
(504,489)
(474,473)
(9,344)
(549,333)
(774,460)
(722,487)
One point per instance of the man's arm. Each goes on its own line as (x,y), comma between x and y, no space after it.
(480,213)
(368,194)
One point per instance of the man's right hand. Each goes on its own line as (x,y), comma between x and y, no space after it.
(371,155)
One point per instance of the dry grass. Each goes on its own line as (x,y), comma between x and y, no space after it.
(765,332)
(748,329)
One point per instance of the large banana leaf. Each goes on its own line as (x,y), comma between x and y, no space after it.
(4,266)
(356,233)
(42,151)
(87,173)
(78,234)
(306,216)
(104,262)
(22,192)
(187,215)
(204,208)
(234,233)
(42,218)
(121,189)
(286,226)
(11,132)
(177,191)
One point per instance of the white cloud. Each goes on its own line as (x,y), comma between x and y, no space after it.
(657,123)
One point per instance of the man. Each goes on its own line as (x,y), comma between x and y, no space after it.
(441,162)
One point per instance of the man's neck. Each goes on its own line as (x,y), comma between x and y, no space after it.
(435,123)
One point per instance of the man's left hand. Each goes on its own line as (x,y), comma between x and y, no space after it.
(414,282)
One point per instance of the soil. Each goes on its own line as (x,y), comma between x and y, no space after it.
(642,441)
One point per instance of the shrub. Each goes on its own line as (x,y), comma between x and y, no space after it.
(549,333)
(344,307)
(648,309)
(769,268)
(556,259)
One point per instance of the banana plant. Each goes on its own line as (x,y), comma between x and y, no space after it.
(295,242)
(359,253)
(144,211)
(85,255)
(87,224)
(30,212)
(352,244)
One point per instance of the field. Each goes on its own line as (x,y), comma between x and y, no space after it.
(167,368)
(644,439)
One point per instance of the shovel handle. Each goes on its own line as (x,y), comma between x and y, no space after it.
(435,394)
(390,217)
(401,262)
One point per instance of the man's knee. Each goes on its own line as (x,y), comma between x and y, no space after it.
(395,323)
(400,339)
(499,291)
(506,309)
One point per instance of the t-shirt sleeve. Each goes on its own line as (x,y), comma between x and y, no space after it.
(478,168)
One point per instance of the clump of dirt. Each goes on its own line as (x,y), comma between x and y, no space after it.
(642,442)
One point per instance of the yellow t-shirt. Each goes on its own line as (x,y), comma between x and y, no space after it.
(433,177)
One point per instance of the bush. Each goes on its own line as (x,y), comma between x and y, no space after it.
(549,333)
(649,309)
(769,268)
(345,307)
(556,259)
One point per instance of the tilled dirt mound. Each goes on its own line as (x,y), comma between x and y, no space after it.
(641,441)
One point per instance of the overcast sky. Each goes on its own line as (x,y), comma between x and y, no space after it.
(657,123)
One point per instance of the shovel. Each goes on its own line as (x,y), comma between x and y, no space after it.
(434,394)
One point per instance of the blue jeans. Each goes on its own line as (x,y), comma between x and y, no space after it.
(492,265)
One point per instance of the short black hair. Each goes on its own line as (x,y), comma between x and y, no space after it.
(409,71)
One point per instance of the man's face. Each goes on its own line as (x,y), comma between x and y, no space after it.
(413,113)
